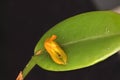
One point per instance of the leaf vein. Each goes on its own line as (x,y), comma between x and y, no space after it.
(90,38)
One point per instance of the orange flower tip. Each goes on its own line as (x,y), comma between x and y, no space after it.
(64,63)
(38,52)
(53,37)
(20,76)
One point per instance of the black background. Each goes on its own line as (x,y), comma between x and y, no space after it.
(25,21)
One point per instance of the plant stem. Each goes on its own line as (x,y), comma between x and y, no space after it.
(29,67)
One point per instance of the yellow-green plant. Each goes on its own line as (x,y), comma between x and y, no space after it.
(85,39)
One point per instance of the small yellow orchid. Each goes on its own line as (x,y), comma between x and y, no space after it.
(55,51)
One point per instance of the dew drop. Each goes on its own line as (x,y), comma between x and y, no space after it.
(107,30)
(108,48)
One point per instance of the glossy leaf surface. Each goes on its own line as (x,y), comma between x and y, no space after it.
(86,39)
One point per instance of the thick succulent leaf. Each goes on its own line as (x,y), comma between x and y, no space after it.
(86,39)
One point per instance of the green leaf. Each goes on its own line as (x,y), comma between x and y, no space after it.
(87,39)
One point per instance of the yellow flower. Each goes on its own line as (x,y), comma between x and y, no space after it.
(55,51)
